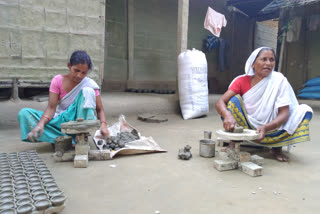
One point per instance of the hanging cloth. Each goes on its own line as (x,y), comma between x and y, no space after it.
(214,21)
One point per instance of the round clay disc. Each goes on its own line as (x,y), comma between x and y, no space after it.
(247,134)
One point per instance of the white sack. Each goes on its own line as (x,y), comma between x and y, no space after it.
(193,84)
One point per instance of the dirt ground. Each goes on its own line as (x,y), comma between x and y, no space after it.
(144,184)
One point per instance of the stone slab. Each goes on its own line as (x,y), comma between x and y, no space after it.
(251,169)
(257,160)
(222,165)
(81,161)
(152,118)
(247,134)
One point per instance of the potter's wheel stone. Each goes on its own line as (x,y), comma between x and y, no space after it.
(247,134)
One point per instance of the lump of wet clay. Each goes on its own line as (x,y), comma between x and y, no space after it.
(185,153)
(236,129)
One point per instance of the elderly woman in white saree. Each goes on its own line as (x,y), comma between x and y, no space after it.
(72,96)
(262,99)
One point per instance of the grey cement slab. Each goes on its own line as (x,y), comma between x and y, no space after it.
(151,182)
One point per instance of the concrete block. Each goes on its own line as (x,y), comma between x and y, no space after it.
(96,25)
(32,44)
(78,24)
(77,7)
(222,165)
(32,18)
(244,156)
(56,5)
(251,169)
(53,210)
(82,149)
(257,160)
(80,161)
(95,8)
(9,16)
(56,21)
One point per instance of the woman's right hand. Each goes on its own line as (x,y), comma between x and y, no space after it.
(35,133)
(229,123)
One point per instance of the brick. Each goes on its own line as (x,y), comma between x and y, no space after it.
(257,160)
(80,161)
(223,156)
(82,149)
(222,165)
(244,156)
(251,169)
(99,155)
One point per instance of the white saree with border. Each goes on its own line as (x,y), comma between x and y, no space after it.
(264,99)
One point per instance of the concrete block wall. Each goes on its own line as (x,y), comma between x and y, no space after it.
(155,42)
(38,36)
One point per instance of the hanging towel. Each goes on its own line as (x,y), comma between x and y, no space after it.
(214,21)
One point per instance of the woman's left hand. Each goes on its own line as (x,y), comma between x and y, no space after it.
(262,131)
(104,130)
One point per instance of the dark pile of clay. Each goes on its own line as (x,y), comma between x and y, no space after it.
(119,141)
(185,153)
(26,184)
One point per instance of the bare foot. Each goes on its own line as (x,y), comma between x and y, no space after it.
(277,152)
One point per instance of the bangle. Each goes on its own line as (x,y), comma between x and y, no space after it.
(46,117)
(103,122)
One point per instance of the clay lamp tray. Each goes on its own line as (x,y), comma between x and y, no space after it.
(21,185)
(39,191)
(25,209)
(52,188)
(22,190)
(48,180)
(58,200)
(8,211)
(20,177)
(6,184)
(6,193)
(6,180)
(6,198)
(7,205)
(23,196)
(7,188)
(42,204)
(24,201)
(40,196)
(55,193)
(247,134)
(49,184)
(36,187)
(35,183)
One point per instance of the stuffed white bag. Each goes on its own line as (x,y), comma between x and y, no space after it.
(193,84)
